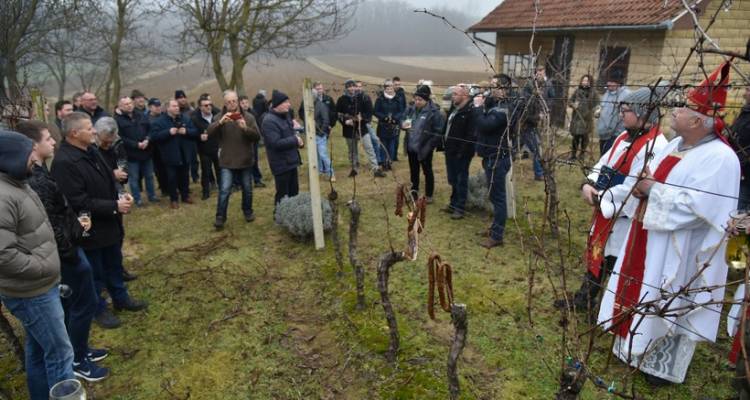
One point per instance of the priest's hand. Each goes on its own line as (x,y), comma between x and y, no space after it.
(645,182)
(589,194)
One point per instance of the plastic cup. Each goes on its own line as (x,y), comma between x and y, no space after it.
(70,389)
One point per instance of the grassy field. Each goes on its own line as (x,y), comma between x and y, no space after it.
(251,313)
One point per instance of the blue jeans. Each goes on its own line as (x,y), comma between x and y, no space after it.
(387,152)
(80,307)
(530,139)
(225,183)
(324,161)
(495,172)
(49,355)
(457,169)
(106,263)
(136,169)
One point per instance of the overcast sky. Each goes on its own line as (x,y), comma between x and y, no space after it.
(476,8)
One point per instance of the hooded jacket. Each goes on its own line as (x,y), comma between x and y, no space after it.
(29,263)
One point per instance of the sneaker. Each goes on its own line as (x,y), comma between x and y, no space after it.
(379,173)
(130,305)
(260,184)
(97,354)
(154,200)
(457,215)
(127,276)
(250,217)
(107,320)
(89,371)
(219,223)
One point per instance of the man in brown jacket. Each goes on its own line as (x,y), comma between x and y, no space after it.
(30,269)
(236,131)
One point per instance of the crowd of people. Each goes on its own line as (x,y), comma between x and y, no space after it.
(657,217)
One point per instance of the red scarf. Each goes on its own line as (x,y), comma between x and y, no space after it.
(633,265)
(601,226)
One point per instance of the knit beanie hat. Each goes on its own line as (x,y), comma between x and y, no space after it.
(278,98)
(643,99)
(424,92)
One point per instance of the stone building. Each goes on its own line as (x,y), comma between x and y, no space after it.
(643,39)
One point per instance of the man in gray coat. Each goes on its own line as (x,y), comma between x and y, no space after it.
(609,124)
(30,269)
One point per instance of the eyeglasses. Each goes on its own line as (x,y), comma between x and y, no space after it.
(208,105)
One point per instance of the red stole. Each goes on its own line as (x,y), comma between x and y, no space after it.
(602,227)
(634,262)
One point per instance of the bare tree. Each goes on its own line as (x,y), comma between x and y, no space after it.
(241,29)
(24,24)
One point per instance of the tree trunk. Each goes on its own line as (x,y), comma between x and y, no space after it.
(238,65)
(218,69)
(387,260)
(14,87)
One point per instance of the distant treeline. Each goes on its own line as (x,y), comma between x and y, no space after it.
(391,27)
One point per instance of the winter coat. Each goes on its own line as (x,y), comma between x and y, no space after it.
(582,118)
(325,115)
(175,150)
(426,129)
(401,96)
(390,113)
(260,105)
(211,146)
(348,107)
(98,113)
(610,124)
(236,144)
(29,263)
(64,220)
(87,181)
(134,129)
(492,135)
(459,133)
(741,139)
(281,143)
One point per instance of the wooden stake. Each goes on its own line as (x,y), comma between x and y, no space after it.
(312,161)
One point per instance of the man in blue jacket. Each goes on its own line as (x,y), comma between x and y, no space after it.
(176,136)
(134,128)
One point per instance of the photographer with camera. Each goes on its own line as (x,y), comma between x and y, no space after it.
(176,136)
(237,133)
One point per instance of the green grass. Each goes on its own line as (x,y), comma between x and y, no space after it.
(250,313)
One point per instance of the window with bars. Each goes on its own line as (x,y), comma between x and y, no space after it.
(518,65)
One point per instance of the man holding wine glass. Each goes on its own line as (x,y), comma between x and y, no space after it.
(75,270)
(88,182)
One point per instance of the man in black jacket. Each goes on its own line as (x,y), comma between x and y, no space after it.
(208,147)
(458,138)
(62,109)
(88,182)
(133,129)
(75,269)
(90,106)
(282,146)
(175,134)
(741,141)
(423,123)
(355,112)
(493,145)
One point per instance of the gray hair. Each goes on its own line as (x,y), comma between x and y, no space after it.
(230,91)
(708,122)
(73,121)
(387,82)
(106,126)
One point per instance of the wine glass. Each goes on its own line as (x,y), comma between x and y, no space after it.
(84,217)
